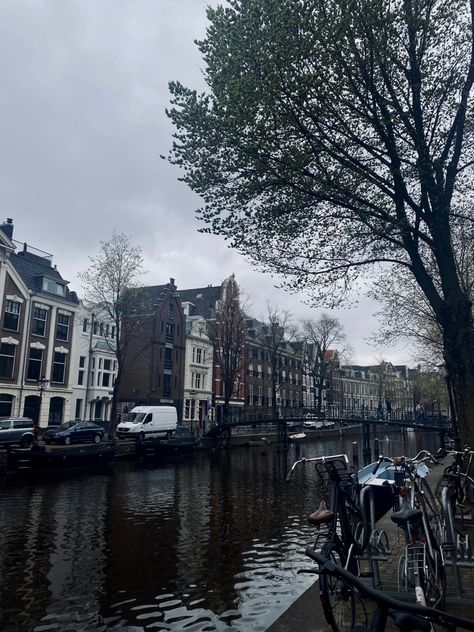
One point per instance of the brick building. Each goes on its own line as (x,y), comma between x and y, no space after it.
(155,351)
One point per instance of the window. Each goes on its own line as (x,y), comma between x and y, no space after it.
(62,326)
(106,375)
(197,355)
(166,384)
(78,414)
(39,321)
(169,329)
(12,315)
(84,328)
(35,361)
(7,360)
(171,311)
(54,288)
(196,380)
(59,367)
(251,394)
(189,408)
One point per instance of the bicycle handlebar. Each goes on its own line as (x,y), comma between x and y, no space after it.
(432,614)
(402,460)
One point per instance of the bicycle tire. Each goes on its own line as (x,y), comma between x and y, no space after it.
(434,581)
(467,496)
(337,599)
(461,505)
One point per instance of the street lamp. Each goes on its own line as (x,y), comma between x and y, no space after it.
(41,383)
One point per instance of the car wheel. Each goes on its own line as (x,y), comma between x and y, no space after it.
(97,438)
(141,437)
(67,440)
(26,442)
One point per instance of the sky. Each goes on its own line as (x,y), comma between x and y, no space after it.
(82,126)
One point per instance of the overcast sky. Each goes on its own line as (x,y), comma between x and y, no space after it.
(82,100)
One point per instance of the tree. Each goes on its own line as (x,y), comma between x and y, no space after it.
(321,336)
(227,333)
(275,336)
(337,137)
(110,284)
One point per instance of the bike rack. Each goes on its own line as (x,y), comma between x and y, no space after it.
(456,549)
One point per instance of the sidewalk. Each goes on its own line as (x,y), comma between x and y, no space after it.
(306,612)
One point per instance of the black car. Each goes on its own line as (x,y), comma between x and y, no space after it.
(74,431)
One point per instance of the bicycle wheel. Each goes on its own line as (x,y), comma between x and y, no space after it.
(337,599)
(466,493)
(434,581)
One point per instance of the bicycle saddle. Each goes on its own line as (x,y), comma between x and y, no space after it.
(406,514)
(322,515)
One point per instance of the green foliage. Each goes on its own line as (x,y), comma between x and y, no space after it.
(331,136)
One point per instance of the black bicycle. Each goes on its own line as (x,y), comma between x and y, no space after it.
(408,617)
(344,531)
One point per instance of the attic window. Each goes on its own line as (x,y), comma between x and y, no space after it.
(53,287)
(199,295)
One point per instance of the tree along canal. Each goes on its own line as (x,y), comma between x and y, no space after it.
(204,544)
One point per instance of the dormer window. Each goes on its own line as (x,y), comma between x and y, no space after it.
(53,287)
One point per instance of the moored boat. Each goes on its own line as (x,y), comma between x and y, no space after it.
(299,436)
(172,447)
(258,442)
(39,460)
(381,477)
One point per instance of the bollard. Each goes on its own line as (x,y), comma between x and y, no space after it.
(376,448)
(355,454)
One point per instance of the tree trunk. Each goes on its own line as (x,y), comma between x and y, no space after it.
(459,358)
(114,414)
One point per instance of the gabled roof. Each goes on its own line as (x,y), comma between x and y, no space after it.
(204,299)
(32,268)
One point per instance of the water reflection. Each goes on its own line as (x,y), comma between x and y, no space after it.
(207,544)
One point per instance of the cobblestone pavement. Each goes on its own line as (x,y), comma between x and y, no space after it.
(305,614)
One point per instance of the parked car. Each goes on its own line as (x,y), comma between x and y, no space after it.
(74,431)
(313,425)
(17,430)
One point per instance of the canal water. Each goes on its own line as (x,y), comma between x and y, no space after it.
(211,543)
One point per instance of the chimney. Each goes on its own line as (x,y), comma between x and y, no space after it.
(7,228)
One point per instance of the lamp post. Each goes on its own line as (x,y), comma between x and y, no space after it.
(41,383)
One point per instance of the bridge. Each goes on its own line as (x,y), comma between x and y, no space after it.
(426,423)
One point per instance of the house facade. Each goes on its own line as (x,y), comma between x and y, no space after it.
(38,313)
(220,306)
(94,365)
(274,374)
(198,374)
(153,368)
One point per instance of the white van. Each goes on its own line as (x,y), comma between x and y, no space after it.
(145,422)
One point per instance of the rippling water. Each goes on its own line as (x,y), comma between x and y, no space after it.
(206,544)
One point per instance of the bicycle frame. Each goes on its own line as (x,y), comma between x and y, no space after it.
(388,606)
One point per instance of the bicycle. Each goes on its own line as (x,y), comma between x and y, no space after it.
(343,532)
(422,565)
(457,478)
(408,617)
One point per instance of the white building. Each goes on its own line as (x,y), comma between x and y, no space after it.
(198,373)
(94,366)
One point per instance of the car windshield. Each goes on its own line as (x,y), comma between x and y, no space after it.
(67,425)
(136,418)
